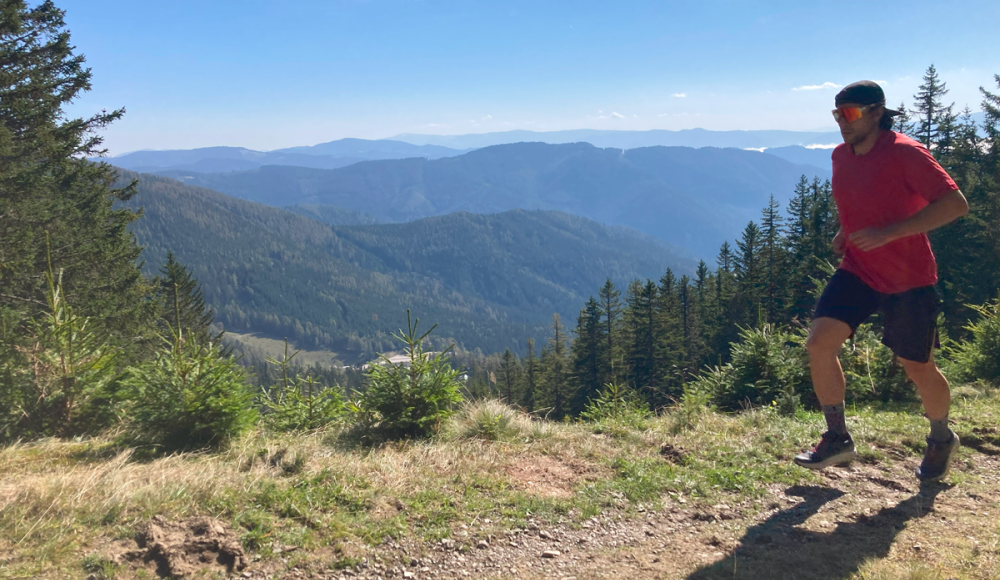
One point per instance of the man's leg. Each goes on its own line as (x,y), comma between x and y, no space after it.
(932,386)
(826,337)
(936,396)
(910,320)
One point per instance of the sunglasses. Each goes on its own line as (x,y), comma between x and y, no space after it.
(849,114)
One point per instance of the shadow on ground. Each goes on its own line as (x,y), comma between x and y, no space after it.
(777,549)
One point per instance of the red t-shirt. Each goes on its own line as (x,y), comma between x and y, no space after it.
(893,181)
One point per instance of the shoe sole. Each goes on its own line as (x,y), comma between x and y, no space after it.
(955,444)
(838,459)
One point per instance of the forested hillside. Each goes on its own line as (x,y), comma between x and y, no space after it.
(488,281)
(695,198)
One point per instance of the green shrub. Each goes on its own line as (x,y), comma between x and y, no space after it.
(979,357)
(409,399)
(60,377)
(299,403)
(192,395)
(618,404)
(768,366)
(871,370)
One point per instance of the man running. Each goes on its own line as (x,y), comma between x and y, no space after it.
(889,192)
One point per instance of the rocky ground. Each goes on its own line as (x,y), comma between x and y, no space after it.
(862,521)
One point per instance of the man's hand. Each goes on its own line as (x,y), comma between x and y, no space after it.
(839,243)
(870,238)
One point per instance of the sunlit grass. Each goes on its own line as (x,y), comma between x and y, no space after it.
(59,498)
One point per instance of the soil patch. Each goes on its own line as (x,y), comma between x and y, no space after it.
(547,476)
(185,548)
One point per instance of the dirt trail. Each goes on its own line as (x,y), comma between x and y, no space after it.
(858,514)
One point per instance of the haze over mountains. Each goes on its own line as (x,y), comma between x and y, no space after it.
(344,152)
(633,139)
(330,155)
(693,198)
(489,281)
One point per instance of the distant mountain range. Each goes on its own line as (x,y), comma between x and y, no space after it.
(330,155)
(633,139)
(488,281)
(693,198)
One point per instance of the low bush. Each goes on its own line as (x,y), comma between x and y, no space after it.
(60,377)
(979,357)
(192,395)
(768,367)
(409,400)
(619,404)
(872,371)
(298,403)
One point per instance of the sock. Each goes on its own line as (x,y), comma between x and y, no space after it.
(835,422)
(940,431)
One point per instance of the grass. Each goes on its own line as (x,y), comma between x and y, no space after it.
(60,501)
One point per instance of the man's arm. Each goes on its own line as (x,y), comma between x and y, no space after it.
(938,213)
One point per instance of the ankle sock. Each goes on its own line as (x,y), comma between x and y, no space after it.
(835,422)
(940,431)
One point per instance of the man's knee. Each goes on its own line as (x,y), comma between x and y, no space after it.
(916,370)
(826,336)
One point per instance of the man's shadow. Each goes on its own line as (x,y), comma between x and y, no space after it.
(775,548)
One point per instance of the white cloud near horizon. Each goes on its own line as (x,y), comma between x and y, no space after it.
(822,146)
(826,85)
(617,115)
(680,95)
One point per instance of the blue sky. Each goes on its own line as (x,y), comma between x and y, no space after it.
(267,74)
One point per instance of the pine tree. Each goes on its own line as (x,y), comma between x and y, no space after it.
(749,272)
(643,334)
(48,185)
(554,365)
(530,378)
(508,375)
(773,258)
(902,122)
(610,301)
(690,328)
(669,339)
(991,165)
(932,116)
(588,355)
(180,296)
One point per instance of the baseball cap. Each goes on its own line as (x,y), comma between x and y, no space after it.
(863,93)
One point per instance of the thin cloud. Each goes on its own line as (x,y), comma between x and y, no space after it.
(617,115)
(826,85)
(821,146)
(680,95)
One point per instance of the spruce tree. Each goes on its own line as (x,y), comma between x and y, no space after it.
(588,371)
(931,114)
(554,365)
(690,328)
(48,185)
(528,393)
(180,296)
(508,375)
(610,301)
(643,334)
(773,259)
(669,339)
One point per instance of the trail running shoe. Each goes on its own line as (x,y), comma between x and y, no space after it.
(832,449)
(937,458)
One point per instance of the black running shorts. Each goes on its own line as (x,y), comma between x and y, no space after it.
(909,319)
